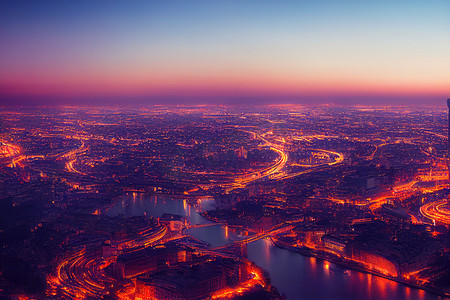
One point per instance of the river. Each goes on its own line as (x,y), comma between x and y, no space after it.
(295,275)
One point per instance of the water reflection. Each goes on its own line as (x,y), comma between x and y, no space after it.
(299,277)
(266,248)
(421,294)
(312,262)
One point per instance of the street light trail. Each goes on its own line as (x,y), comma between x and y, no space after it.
(437,211)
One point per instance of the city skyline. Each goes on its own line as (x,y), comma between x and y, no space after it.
(266,150)
(213,202)
(255,52)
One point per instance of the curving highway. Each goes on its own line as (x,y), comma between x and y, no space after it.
(438,211)
(82,276)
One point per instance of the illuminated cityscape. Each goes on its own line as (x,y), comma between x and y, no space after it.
(169,202)
(204,150)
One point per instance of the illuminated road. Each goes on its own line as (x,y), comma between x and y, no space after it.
(275,171)
(269,171)
(442,136)
(399,189)
(16,160)
(405,189)
(255,274)
(82,276)
(438,211)
(8,150)
(13,152)
(72,156)
(374,151)
(271,232)
(338,160)
(256,278)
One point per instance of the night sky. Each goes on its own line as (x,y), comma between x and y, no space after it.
(224,52)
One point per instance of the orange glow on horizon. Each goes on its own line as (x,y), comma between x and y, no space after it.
(93,83)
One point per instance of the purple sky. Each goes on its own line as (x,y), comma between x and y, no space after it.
(224,52)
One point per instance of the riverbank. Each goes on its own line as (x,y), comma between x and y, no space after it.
(352,266)
(308,281)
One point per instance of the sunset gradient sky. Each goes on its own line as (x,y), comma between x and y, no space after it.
(219,52)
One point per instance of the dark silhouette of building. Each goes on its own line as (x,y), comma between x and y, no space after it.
(150,259)
(194,281)
(448,140)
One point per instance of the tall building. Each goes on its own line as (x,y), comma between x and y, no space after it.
(448,141)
